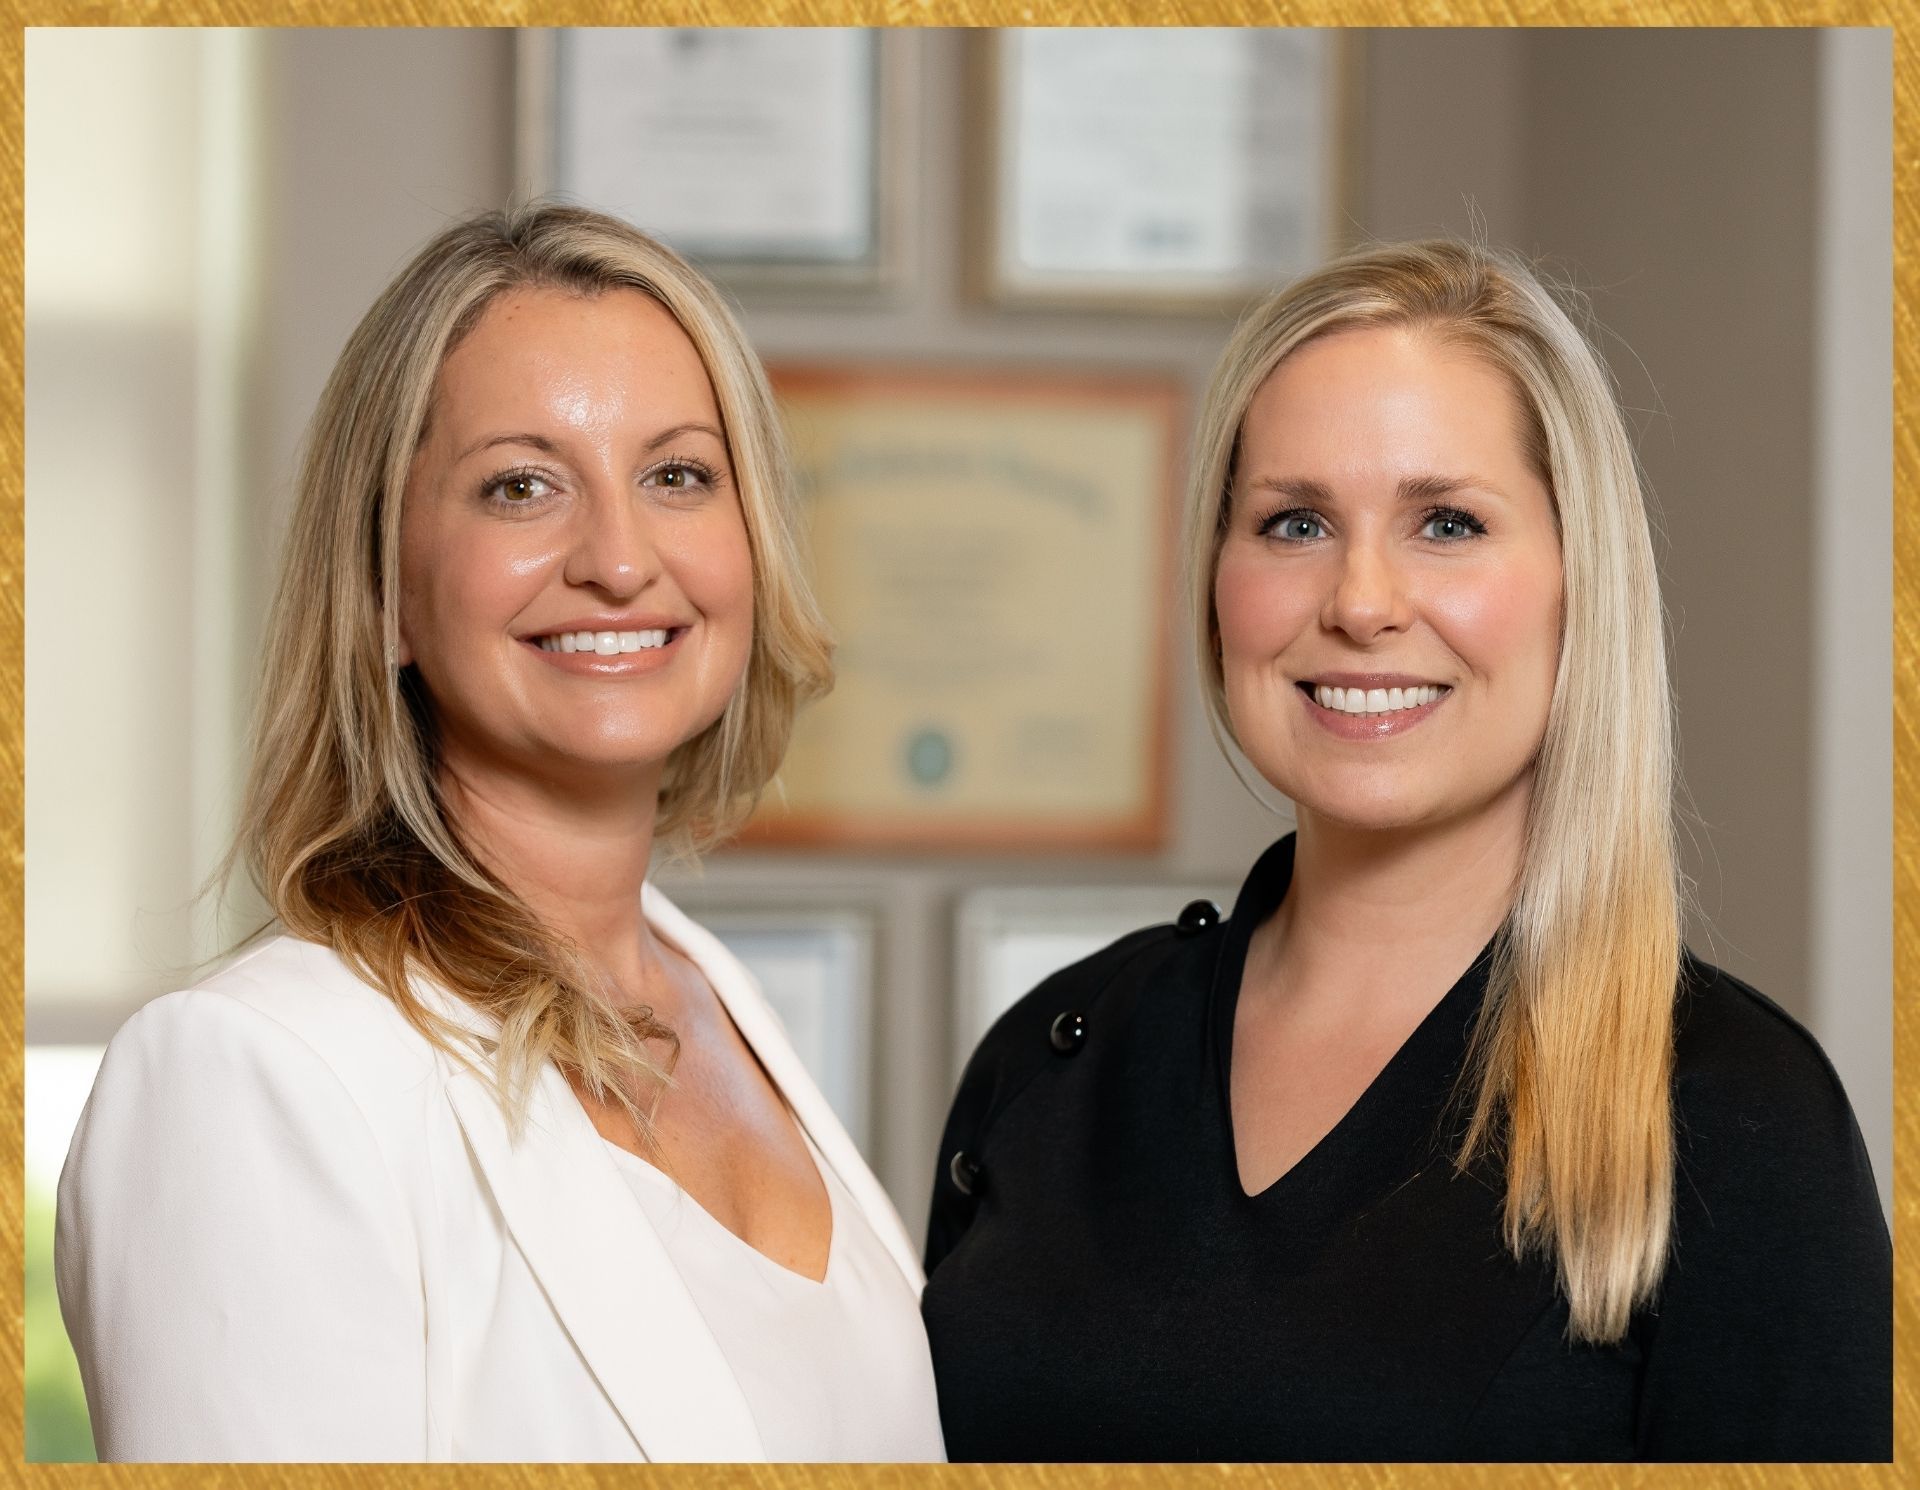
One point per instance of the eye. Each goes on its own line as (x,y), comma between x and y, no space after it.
(1450,525)
(518,488)
(1296,525)
(680,475)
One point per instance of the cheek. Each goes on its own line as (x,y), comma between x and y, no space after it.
(1257,615)
(1508,625)
(459,582)
(713,563)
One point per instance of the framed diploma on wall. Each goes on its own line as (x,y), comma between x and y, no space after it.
(993,553)
(771,155)
(1164,168)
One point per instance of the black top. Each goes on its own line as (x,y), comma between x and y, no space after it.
(1102,1289)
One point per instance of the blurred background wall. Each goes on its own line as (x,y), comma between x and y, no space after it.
(209,213)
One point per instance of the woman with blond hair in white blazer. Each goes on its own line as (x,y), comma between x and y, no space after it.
(485,1151)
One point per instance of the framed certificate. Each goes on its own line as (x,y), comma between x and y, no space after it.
(770,155)
(993,554)
(1168,168)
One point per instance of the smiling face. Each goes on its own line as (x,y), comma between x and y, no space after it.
(1388,592)
(576,585)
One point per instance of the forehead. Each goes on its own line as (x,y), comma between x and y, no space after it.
(1380,398)
(561,353)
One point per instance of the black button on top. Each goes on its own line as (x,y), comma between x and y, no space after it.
(964,1171)
(1069,1032)
(1198,916)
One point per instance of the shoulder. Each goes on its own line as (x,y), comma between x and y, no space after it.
(1168,962)
(283,1005)
(1762,1124)
(1105,986)
(277,1080)
(280,1079)
(1739,1056)
(1771,1334)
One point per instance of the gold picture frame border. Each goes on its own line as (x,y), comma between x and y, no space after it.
(1902,20)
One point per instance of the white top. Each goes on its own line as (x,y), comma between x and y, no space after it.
(292,1229)
(833,1371)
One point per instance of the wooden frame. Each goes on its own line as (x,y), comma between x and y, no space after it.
(894,209)
(992,277)
(935,738)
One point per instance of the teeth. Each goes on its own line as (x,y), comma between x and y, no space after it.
(604,643)
(1374,700)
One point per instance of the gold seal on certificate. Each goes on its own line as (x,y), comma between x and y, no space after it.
(992,555)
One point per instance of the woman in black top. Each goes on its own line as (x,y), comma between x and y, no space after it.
(1440,1147)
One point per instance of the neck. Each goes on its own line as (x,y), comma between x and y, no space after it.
(577,855)
(1381,916)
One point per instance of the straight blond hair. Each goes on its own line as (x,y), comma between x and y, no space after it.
(343,826)
(1569,1070)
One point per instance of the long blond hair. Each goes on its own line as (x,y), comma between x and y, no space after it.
(1570,1067)
(342,823)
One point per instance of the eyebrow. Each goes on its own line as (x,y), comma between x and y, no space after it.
(1412,488)
(550,447)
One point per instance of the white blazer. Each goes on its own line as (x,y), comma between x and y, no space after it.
(289,1228)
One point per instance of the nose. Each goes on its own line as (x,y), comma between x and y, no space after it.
(1369,595)
(611,546)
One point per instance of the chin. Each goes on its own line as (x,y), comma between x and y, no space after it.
(1373,798)
(648,751)
(1387,806)
(1368,816)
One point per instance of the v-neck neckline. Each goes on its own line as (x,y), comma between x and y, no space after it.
(1374,1131)
(818,1160)
(652,1174)
(822,1166)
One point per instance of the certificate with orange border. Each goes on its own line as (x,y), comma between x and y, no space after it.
(992,553)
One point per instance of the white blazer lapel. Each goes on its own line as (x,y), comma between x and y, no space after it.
(761,1029)
(610,1280)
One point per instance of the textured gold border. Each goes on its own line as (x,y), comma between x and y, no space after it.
(1906,654)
